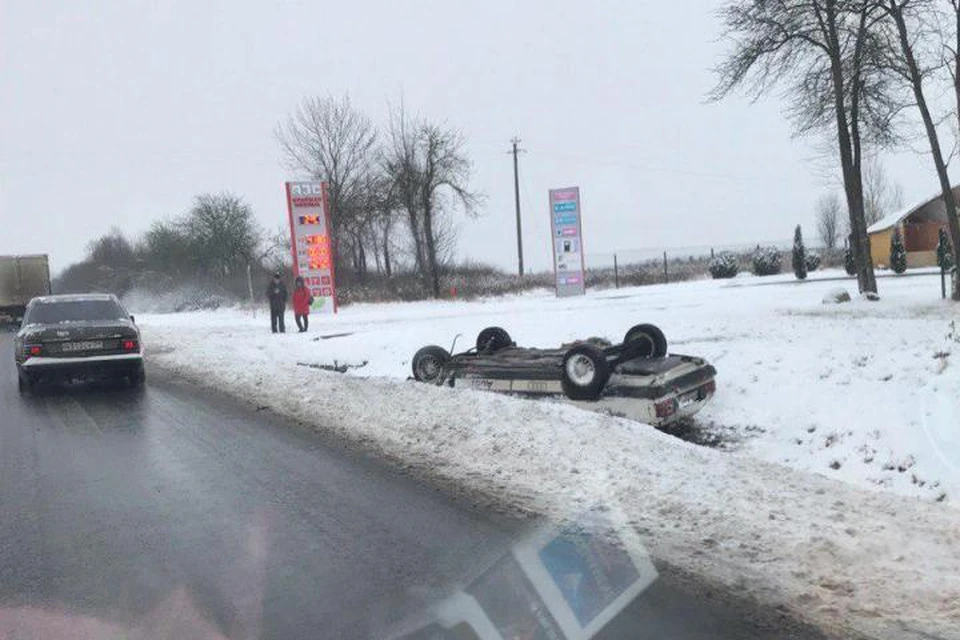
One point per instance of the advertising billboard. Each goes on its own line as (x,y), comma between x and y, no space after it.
(310,242)
(566,235)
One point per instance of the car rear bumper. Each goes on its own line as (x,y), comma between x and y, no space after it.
(108,366)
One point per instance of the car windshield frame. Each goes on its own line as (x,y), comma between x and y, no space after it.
(70,311)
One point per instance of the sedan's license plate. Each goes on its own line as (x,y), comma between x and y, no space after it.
(686,400)
(88,345)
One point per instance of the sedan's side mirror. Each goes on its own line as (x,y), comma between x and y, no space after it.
(133,320)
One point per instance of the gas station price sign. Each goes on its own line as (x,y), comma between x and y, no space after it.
(308,210)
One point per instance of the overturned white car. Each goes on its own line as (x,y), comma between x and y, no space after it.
(637,378)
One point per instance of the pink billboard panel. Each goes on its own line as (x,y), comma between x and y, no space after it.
(566,237)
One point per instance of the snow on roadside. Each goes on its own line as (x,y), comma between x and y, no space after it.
(849,558)
(851,391)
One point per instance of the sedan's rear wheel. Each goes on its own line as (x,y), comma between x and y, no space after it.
(493,339)
(429,363)
(645,341)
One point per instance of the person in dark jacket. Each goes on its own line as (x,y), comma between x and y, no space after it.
(277,295)
(301,304)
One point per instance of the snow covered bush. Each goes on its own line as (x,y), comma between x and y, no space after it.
(766,261)
(813,261)
(944,251)
(898,253)
(724,265)
(799,255)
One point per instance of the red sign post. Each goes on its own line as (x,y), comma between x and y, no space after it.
(307,207)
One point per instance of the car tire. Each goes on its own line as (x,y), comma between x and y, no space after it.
(645,341)
(493,339)
(24,384)
(585,372)
(137,378)
(429,364)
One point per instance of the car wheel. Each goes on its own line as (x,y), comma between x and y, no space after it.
(585,372)
(492,339)
(24,384)
(429,364)
(137,377)
(645,341)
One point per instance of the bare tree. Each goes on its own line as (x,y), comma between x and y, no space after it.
(446,174)
(952,49)
(823,51)
(223,234)
(399,160)
(384,210)
(881,196)
(429,174)
(112,249)
(275,251)
(330,140)
(828,220)
(908,19)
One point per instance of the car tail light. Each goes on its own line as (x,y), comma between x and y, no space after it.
(710,388)
(666,408)
(33,350)
(130,345)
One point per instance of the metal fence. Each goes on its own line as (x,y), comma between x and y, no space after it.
(630,267)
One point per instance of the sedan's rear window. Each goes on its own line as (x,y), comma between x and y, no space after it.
(73,311)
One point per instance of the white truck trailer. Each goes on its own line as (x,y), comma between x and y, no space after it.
(22,278)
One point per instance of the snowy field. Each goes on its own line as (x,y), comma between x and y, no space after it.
(865,395)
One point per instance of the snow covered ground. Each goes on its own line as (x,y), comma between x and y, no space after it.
(862,394)
(851,391)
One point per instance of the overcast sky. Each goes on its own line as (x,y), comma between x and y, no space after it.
(119,113)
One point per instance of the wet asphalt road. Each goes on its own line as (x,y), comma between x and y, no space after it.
(141,508)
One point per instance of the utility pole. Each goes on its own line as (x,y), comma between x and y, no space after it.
(515,141)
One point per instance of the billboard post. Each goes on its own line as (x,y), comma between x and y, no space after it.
(309,214)
(566,237)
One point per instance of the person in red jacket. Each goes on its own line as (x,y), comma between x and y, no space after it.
(301,304)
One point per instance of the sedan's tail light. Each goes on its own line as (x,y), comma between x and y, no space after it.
(130,345)
(666,408)
(32,350)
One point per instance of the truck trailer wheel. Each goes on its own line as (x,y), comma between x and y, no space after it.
(646,341)
(585,372)
(429,363)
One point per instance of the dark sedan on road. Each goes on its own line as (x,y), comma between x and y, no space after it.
(69,337)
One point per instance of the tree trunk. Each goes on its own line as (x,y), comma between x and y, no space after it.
(362,255)
(850,166)
(916,81)
(375,246)
(431,249)
(386,252)
(956,61)
(417,239)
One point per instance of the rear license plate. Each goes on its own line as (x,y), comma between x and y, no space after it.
(687,399)
(88,345)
